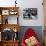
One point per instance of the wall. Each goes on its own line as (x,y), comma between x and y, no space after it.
(7,3)
(31,4)
(26,4)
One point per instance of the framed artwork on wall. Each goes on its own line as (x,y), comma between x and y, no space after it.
(5,12)
(30,13)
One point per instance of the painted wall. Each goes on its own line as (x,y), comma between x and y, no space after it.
(26,4)
(7,3)
(31,4)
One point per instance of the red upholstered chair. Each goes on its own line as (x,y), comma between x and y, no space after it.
(29,33)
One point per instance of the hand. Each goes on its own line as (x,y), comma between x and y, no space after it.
(32,41)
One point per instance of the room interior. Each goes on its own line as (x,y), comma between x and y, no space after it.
(16,16)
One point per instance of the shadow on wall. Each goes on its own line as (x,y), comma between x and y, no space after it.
(37,29)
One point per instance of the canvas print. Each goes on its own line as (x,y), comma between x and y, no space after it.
(30,13)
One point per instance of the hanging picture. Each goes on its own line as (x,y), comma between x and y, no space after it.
(5,12)
(30,13)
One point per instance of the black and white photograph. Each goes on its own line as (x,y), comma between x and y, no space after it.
(30,13)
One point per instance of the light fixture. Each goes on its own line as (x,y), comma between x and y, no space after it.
(15,3)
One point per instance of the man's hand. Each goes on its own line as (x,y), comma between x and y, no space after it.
(32,41)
